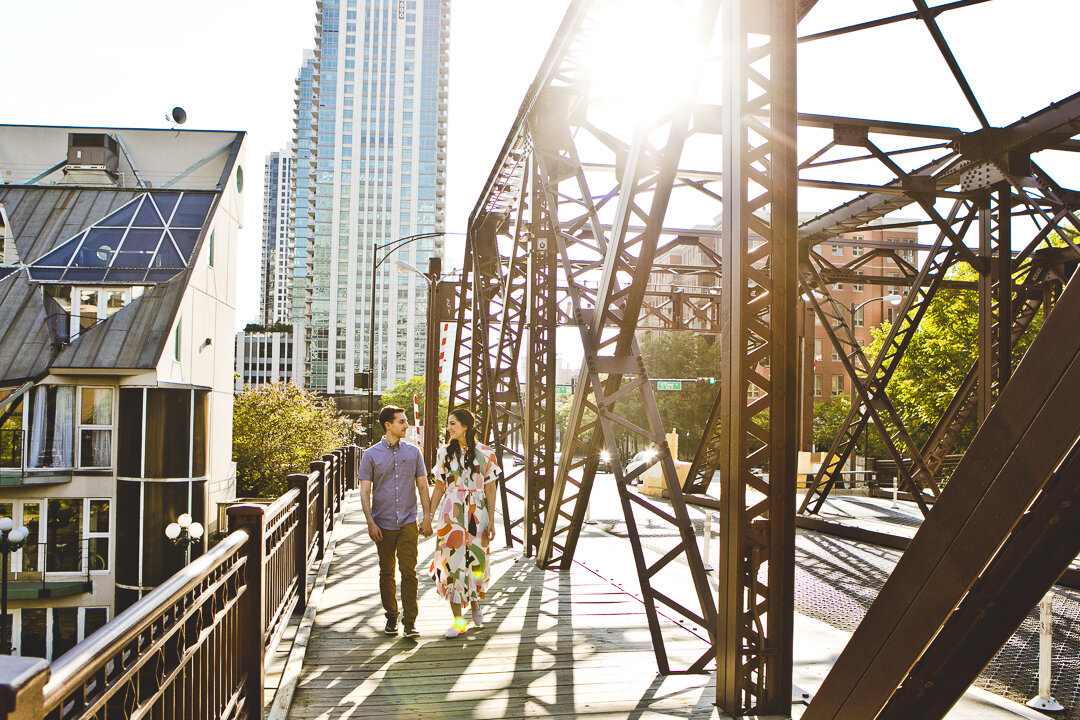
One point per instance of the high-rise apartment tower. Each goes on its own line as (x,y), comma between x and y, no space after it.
(275,275)
(376,128)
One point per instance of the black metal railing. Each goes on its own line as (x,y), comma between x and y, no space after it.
(197,646)
(66,558)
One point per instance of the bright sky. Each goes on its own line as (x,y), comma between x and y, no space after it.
(231,64)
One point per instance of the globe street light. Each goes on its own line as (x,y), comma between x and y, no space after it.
(11,540)
(184,532)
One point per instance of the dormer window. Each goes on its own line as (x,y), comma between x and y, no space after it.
(87,306)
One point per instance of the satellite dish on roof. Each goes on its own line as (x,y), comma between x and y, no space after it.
(178,116)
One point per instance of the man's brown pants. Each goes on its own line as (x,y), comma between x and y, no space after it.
(399,544)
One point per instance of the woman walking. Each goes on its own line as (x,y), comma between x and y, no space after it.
(463,503)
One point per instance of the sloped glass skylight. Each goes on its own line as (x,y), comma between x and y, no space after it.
(147,241)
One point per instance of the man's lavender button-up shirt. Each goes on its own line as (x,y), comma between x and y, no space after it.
(392,471)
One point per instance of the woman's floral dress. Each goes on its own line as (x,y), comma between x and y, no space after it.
(460,568)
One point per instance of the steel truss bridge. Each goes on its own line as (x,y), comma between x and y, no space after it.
(579,208)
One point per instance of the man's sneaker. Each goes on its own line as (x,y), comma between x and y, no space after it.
(409,630)
(478,618)
(391,626)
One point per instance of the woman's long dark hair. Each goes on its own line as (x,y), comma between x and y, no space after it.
(453,448)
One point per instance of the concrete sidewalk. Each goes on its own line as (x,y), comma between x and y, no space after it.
(817,645)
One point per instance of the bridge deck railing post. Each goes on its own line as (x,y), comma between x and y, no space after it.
(350,467)
(22,682)
(303,535)
(319,467)
(331,473)
(339,478)
(252,517)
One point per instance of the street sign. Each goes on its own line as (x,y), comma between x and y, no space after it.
(669,385)
(562,389)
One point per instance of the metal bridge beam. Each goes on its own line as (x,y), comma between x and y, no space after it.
(760,296)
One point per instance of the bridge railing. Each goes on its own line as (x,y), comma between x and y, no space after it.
(197,646)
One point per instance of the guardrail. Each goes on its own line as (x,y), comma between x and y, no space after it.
(197,646)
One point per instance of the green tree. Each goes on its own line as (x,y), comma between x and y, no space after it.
(277,430)
(401,394)
(937,360)
(828,416)
(678,355)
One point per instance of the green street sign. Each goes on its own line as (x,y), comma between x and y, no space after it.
(562,389)
(669,385)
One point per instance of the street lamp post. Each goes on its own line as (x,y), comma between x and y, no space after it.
(184,532)
(894,300)
(394,245)
(11,539)
(433,278)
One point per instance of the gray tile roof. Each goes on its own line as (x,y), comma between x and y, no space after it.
(132,339)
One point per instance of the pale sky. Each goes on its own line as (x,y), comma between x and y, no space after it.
(232,63)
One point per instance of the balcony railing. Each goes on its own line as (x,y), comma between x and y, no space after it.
(67,568)
(196,646)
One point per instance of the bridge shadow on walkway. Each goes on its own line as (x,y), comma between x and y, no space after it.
(555,644)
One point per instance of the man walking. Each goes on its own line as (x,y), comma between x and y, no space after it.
(391,471)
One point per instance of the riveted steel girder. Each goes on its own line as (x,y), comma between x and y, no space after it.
(573,228)
(760,297)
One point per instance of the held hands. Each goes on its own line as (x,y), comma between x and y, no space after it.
(425,527)
(489,534)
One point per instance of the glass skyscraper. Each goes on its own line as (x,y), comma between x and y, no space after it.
(277,249)
(304,139)
(377,133)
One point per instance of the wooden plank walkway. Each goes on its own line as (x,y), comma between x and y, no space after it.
(571,644)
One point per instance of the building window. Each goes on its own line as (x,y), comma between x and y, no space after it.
(817,385)
(63,530)
(176,425)
(837,250)
(835,355)
(817,350)
(176,340)
(856,251)
(52,426)
(95,427)
(76,535)
(858,318)
(837,385)
(210,250)
(50,632)
(91,305)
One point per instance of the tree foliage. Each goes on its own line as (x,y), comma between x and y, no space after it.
(277,430)
(677,355)
(938,358)
(401,394)
(278,327)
